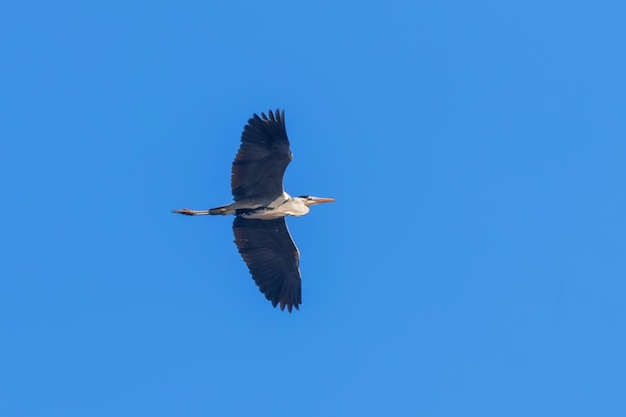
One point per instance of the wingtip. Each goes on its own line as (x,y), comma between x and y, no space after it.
(271,116)
(289,306)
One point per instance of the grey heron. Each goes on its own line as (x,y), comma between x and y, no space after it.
(260,208)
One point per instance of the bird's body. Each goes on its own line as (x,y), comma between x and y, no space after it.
(260,208)
(283,205)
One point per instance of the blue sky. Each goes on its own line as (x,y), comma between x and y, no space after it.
(473,264)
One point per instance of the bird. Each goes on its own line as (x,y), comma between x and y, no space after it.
(260,207)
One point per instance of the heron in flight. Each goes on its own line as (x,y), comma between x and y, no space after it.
(260,208)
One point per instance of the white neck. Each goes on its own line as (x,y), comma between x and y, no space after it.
(296,207)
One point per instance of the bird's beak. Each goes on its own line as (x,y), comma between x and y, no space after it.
(319,200)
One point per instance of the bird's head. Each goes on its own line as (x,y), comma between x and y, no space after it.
(309,200)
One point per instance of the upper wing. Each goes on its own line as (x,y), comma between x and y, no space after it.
(272,258)
(262,158)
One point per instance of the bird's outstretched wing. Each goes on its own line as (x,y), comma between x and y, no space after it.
(262,158)
(272,258)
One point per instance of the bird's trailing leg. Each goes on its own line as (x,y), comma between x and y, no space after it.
(229,209)
(189,212)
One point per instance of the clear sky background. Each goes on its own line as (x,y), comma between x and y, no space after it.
(474,263)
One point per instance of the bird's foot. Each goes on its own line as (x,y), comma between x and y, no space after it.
(185,211)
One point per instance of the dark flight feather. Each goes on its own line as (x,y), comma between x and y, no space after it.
(272,258)
(262,158)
